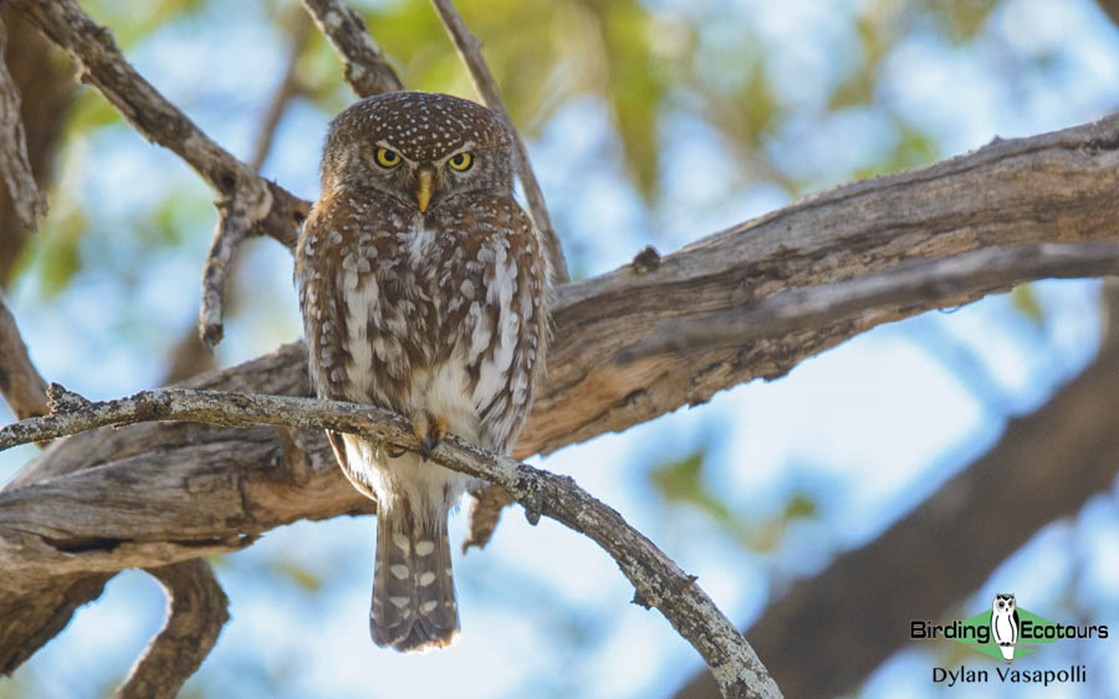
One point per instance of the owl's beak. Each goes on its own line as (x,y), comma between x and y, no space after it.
(424,185)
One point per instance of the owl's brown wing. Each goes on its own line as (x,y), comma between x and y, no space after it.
(515,320)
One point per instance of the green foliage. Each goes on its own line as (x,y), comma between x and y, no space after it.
(681,482)
(1025,302)
(295,572)
(54,254)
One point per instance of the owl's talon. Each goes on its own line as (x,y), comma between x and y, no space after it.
(427,445)
(433,438)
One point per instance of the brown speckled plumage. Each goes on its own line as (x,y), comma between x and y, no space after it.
(432,308)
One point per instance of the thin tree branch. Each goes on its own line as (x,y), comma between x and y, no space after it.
(20,383)
(826,634)
(153,116)
(470,50)
(657,580)
(248,204)
(365,69)
(288,89)
(155,494)
(919,282)
(197,611)
(15,166)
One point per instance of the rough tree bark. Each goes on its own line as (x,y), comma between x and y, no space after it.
(1045,466)
(154,495)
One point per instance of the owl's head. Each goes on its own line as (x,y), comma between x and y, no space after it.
(1003,603)
(420,148)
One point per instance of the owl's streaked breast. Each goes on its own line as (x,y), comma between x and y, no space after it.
(441,313)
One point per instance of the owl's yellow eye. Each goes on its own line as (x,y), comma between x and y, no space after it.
(387,158)
(461,162)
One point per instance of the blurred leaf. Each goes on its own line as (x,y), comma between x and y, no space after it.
(1024,300)
(800,506)
(58,256)
(132,22)
(682,482)
(962,19)
(295,572)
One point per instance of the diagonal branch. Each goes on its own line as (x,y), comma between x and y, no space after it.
(657,580)
(1046,466)
(366,70)
(152,115)
(15,166)
(916,283)
(290,86)
(197,612)
(252,202)
(470,50)
(153,494)
(20,383)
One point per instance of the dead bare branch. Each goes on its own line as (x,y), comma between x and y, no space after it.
(15,166)
(470,50)
(366,70)
(20,383)
(916,283)
(154,117)
(288,89)
(197,611)
(248,205)
(657,580)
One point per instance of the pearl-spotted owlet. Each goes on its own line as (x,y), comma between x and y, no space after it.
(422,286)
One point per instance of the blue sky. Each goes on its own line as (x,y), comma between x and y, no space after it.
(868,429)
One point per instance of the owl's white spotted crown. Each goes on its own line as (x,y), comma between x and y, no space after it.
(421,125)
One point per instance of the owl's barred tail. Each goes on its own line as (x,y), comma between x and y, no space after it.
(413,591)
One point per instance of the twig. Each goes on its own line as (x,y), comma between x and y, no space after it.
(288,88)
(914,283)
(658,581)
(249,204)
(470,50)
(20,383)
(197,612)
(366,70)
(154,117)
(484,516)
(15,167)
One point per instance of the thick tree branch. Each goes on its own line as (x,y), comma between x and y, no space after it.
(45,82)
(20,383)
(154,494)
(657,580)
(197,611)
(828,633)
(920,282)
(365,67)
(470,50)
(15,166)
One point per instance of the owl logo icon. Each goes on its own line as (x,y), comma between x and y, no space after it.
(1004,624)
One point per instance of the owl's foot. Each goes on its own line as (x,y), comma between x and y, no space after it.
(430,431)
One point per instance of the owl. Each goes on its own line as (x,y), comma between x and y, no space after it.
(1004,624)
(422,288)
